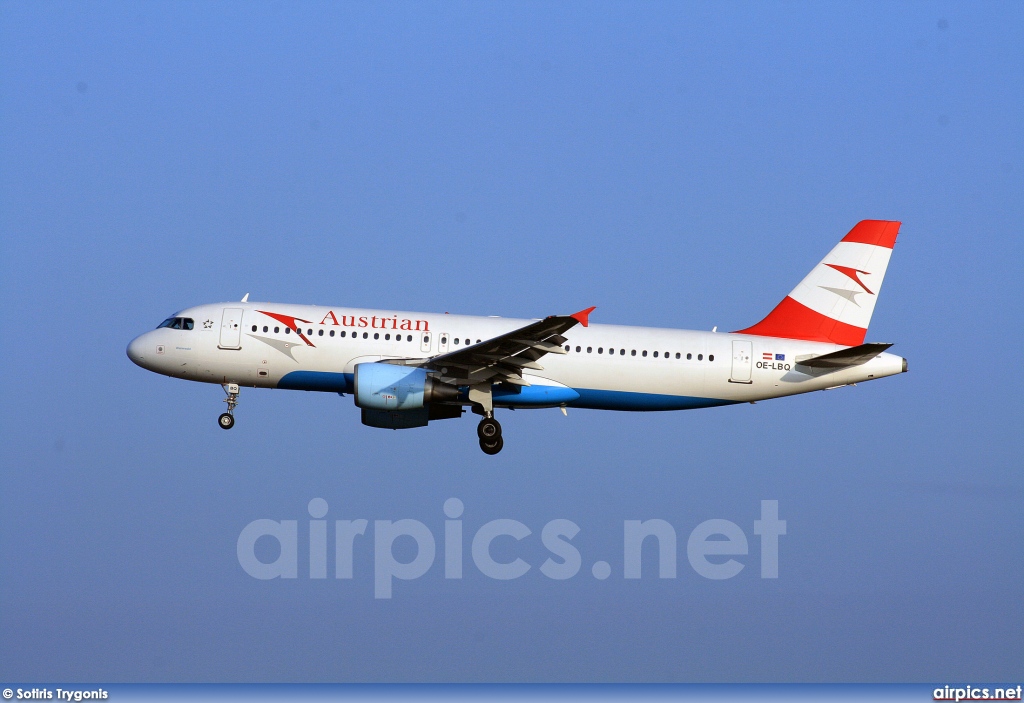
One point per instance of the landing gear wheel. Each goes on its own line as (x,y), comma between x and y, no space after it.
(488,430)
(227,420)
(492,446)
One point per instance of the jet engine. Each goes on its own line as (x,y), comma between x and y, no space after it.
(398,397)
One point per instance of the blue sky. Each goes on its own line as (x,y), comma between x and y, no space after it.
(676,164)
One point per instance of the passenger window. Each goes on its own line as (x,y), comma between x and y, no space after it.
(287,330)
(366,335)
(590,349)
(387,337)
(622,352)
(577,349)
(254,328)
(711,357)
(678,355)
(611,351)
(478,341)
(277,330)
(264,328)
(700,357)
(376,335)
(689,356)
(632,353)
(332,333)
(655,355)
(600,350)
(408,338)
(320,333)
(456,340)
(645,353)
(309,333)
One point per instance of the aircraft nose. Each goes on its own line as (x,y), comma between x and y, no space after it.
(136,351)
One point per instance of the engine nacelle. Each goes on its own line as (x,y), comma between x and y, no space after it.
(392,387)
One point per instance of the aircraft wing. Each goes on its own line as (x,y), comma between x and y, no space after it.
(854,356)
(503,358)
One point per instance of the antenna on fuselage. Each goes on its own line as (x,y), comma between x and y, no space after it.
(245,298)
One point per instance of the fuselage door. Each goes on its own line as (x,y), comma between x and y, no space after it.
(742,361)
(231,329)
(442,342)
(425,342)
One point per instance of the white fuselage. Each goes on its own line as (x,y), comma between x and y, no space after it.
(607,366)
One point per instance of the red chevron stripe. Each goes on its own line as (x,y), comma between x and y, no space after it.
(290,323)
(852,273)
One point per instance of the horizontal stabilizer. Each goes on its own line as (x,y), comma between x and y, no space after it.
(854,356)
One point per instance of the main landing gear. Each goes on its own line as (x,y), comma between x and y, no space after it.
(489,432)
(227,420)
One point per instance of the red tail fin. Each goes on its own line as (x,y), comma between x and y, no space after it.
(835,301)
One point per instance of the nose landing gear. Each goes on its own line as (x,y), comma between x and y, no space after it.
(489,432)
(227,420)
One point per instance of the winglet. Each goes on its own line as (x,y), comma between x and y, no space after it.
(583,316)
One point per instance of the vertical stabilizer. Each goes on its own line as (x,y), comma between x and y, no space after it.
(835,300)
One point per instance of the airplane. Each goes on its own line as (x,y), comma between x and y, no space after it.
(407,369)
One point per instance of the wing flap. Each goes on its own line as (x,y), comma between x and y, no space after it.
(504,357)
(545,347)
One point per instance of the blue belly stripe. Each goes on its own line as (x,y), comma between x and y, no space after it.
(626,400)
(534,396)
(528,396)
(326,381)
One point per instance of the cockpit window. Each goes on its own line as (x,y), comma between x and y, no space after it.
(178,323)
